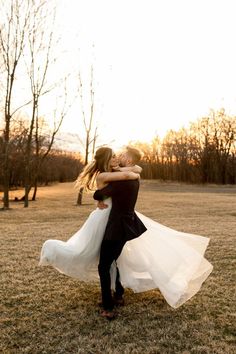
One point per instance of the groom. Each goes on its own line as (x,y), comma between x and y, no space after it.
(123,225)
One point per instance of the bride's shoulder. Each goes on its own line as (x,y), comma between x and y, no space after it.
(101,180)
(100,177)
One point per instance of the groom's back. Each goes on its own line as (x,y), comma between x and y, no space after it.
(124,196)
(123,223)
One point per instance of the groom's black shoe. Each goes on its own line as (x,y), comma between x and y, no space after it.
(108,314)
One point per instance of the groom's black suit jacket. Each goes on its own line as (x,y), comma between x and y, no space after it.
(123,223)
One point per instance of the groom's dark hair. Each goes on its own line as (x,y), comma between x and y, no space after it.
(134,154)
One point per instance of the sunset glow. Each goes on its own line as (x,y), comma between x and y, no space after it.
(157,64)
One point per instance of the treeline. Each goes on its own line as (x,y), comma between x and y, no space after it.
(44,165)
(59,166)
(203,153)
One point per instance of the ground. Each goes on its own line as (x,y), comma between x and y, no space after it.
(44,311)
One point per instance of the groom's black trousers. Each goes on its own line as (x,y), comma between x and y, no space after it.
(110,251)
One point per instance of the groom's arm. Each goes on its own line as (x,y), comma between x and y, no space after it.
(104,193)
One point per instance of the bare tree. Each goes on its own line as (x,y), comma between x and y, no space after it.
(42,147)
(40,42)
(26,32)
(90,132)
(13,28)
(224,129)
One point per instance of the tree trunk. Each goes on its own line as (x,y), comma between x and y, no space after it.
(6,183)
(80,196)
(6,173)
(35,189)
(6,192)
(26,200)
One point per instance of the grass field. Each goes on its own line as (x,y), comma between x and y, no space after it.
(43,311)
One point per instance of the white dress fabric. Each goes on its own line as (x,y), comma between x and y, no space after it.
(161,257)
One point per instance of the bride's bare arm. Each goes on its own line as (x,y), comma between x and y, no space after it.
(106,177)
(135,169)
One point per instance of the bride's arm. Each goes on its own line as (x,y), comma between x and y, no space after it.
(135,169)
(106,177)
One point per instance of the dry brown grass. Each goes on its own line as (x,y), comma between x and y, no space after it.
(44,311)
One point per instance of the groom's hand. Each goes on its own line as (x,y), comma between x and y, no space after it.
(101,205)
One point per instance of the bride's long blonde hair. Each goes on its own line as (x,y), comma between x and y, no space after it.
(87,177)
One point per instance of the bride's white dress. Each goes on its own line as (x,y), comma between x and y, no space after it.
(161,257)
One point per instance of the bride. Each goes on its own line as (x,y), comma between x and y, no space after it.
(161,257)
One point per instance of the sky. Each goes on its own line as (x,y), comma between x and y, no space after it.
(158,64)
